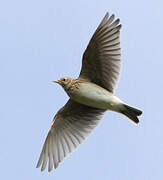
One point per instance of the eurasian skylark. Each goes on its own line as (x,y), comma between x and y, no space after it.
(91,94)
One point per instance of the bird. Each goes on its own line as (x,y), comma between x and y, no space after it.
(90,95)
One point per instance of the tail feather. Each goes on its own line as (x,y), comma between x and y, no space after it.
(131,113)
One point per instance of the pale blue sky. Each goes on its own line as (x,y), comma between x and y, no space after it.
(41,41)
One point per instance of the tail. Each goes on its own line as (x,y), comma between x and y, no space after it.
(131,113)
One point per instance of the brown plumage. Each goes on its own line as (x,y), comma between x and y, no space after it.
(91,94)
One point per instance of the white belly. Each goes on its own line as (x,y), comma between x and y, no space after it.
(95,96)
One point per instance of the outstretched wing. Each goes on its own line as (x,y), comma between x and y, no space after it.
(71,125)
(101,59)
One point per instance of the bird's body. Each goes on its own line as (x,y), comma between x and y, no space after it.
(91,94)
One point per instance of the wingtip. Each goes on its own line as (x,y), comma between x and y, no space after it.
(42,169)
(107,14)
(56,165)
(50,169)
(119,26)
(112,16)
(38,165)
(118,21)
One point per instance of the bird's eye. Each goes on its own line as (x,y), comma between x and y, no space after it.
(64,79)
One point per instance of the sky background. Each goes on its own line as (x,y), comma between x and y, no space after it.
(41,41)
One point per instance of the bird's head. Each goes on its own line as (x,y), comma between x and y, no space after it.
(64,82)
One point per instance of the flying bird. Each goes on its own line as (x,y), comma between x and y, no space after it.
(91,94)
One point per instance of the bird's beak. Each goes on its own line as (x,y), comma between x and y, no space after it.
(56,81)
